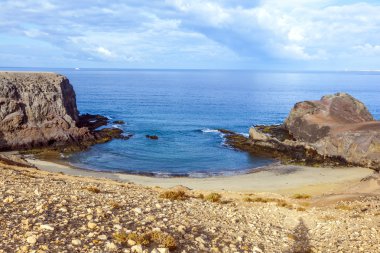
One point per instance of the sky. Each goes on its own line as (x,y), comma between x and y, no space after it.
(191,34)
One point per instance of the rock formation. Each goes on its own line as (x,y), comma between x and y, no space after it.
(39,110)
(336,130)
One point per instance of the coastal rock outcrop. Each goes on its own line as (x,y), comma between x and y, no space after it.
(336,130)
(337,125)
(39,110)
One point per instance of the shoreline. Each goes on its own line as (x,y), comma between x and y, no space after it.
(275,178)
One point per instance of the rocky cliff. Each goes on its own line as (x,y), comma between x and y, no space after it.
(336,130)
(337,125)
(39,110)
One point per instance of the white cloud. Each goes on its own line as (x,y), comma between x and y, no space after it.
(104,52)
(210,31)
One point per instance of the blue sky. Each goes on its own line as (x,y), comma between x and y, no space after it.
(211,34)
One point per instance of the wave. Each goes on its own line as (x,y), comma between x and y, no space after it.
(244,134)
(208,130)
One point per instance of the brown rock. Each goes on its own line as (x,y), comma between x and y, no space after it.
(337,125)
(39,110)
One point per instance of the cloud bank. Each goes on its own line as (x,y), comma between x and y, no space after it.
(267,34)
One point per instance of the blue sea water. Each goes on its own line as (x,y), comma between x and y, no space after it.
(185,107)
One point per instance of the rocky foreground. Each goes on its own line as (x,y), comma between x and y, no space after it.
(52,212)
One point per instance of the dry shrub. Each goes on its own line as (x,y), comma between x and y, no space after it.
(92,189)
(114,205)
(301,209)
(157,237)
(279,202)
(343,207)
(301,196)
(174,195)
(213,197)
(163,239)
(200,196)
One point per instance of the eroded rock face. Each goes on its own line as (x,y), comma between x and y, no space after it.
(310,121)
(337,125)
(39,110)
(336,130)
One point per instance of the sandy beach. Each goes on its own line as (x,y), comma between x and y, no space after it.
(277,178)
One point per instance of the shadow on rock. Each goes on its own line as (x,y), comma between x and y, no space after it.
(301,239)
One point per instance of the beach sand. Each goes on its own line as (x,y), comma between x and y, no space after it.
(276,178)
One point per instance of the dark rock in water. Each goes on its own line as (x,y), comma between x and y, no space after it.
(152,137)
(39,110)
(336,130)
(91,121)
(119,122)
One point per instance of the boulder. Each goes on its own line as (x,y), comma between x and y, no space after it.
(337,125)
(310,121)
(337,130)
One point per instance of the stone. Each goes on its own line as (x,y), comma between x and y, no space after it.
(47,227)
(102,237)
(8,200)
(110,246)
(256,135)
(91,225)
(137,249)
(131,242)
(31,239)
(163,250)
(76,242)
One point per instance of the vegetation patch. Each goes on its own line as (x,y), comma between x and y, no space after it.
(155,237)
(279,202)
(213,197)
(301,196)
(114,205)
(174,195)
(92,189)
(344,207)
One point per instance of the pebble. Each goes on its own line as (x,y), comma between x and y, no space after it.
(110,246)
(102,237)
(137,249)
(32,239)
(91,225)
(8,200)
(76,242)
(47,227)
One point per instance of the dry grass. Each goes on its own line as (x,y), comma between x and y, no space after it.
(344,207)
(92,189)
(279,202)
(163,239)
(200,196)
(301,196)
(174,195)
(213,197)
(328,218)
(114,205)
(301,209)
(154,237)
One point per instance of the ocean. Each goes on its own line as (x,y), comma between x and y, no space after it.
(184,108)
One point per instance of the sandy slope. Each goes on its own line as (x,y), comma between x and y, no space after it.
(274,178)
